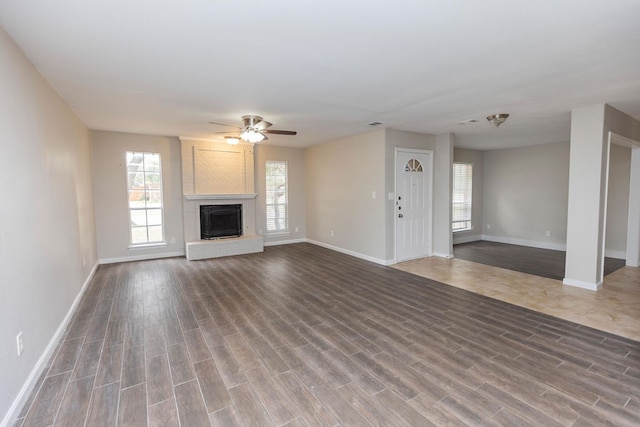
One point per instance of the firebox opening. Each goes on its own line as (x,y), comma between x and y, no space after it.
(218,221)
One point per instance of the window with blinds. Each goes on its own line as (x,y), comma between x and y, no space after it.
(277,197)
(144,187)
(461,197)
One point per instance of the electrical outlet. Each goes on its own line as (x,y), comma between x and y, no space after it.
(373,194)
(260,232)
(173,240)
(84,261)
(548,233)
(297,229)
(332,234)
(488,226)
(390,196)
(19,344)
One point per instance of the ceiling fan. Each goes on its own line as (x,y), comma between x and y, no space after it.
(253,130)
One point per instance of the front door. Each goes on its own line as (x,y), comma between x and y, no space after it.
(413,203)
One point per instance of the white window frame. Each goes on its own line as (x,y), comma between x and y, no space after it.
(136,210)
(272,218)
(465,223)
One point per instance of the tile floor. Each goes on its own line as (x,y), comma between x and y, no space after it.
(615,308)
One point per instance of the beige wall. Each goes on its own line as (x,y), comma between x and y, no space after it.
(443,186)
(111,204)
(618,201)
(340,178)
(110,189)
(297,199)
(525,193)
(47,239)
(476,158)
(591,132)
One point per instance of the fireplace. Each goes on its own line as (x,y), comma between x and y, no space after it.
(219,221)
(216,174)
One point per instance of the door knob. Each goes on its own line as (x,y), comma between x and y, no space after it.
(400,216)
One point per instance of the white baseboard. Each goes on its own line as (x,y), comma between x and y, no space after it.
(140,257)
(466,238)
(611,253)
(284,242)
(580,284)
(41,364)
(352,253)
(522,242)
(443,255)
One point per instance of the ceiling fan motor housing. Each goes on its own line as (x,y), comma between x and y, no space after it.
(250,121)
(254,129)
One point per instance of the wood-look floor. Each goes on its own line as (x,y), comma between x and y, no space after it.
(540,262)
(300,335)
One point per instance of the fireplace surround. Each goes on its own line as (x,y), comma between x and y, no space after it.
(198,248)
(217,174)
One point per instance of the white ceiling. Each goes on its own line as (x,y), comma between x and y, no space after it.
(327,68)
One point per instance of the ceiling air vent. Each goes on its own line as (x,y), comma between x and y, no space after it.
(466,122)
(374,123)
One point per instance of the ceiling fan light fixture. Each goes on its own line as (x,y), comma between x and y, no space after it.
(252,136)
(254,130)
(497,119)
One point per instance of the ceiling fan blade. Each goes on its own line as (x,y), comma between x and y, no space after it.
(280,132)
(223,124)
(231,131)
(262,125)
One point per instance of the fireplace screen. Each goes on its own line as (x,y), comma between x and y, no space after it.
(218,221)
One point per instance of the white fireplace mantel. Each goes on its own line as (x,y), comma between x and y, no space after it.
(219,196)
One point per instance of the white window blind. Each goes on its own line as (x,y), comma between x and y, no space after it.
(462,195)
(144,189)
(277,197)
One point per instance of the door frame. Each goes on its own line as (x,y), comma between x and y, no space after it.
(395,195)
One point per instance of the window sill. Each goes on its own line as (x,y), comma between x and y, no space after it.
(147,246)
(462,230)
(278,234)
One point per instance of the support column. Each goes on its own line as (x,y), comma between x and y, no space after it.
(442,171)
(633,223)
(588,162)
